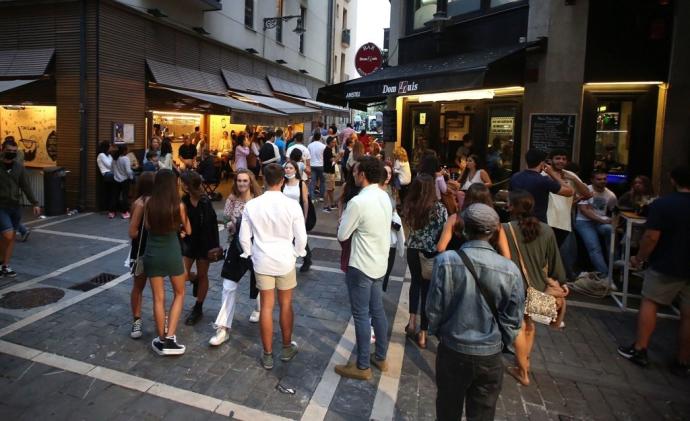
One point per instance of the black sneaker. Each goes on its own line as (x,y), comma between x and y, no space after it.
(679,369)
(638,356)
(194,316)
(305,265)
(167,347)
(7,272)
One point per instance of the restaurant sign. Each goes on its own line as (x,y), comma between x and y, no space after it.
(368,59)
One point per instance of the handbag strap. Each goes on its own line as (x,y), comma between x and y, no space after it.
(517,247)
(485,294)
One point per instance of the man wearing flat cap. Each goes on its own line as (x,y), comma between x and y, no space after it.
(475,306)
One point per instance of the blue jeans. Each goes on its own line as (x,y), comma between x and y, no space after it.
(590,232)
(366,301)
(317,176)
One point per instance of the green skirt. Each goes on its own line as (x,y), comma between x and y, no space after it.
(163,256)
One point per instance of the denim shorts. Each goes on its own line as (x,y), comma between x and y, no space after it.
(9,219)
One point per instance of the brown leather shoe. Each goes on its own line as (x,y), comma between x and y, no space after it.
(382,365)
(351,371)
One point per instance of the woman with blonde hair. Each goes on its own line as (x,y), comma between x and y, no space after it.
(402,172)
(244,189)
(164,218)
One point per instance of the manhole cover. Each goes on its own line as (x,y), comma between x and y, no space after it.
(94,282)
(30,298)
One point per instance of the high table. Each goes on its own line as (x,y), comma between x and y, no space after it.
(630,220)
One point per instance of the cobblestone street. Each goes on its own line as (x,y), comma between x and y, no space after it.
(73,359)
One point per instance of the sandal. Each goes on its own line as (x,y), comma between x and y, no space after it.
(421,340)
(410,332)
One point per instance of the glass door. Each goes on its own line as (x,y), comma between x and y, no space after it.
(420,133)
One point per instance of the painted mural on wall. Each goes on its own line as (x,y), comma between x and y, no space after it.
(34,130)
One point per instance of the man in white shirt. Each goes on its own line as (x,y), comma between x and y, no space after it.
(306,156)
(316,148)
(275,223)
(559,213)
(367,222)
(592,222)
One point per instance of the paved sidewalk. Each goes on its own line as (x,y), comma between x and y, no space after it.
(74,359)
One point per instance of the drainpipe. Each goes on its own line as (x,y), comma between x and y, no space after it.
(329,42)
(83,133)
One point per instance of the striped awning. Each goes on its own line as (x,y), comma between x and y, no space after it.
(25,63)
(225,101)
(7,85)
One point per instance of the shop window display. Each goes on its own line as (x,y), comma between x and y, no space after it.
(612,142)
(34,129)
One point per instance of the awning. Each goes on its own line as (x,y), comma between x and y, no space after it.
(289,88)
(185,78)
(233,104)
(244,83)
(280,105)
(25,63)
(7,85)
(321,105)
(500,66)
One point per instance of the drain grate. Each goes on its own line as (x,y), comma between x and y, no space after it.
(30,298)
(94,282)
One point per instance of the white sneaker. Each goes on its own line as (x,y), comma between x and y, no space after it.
(220,337)
(254,318)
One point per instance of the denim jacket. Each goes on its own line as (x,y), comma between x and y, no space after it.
(458,314)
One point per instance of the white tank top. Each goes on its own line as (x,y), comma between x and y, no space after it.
(476,179)
(293,192)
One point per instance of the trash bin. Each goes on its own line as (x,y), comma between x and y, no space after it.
(54,191)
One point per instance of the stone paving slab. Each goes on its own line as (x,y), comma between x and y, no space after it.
(50,393)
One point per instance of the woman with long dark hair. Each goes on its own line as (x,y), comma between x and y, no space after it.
(104,160)
(138,234)
(474,173)
(296,189)
(204,237)
(123,176)
(244,189)
(424,216)
(534,250)
(164,218)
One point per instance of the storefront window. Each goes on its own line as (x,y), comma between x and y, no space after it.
(500,147)
(423,12)
(612,142)
(460,7)
(33,128)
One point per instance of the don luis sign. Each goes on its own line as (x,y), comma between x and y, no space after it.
(368,59)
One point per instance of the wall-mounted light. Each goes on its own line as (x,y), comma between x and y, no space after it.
(251,51)
(475,94)
(303,71)
(273,22)
(281,61)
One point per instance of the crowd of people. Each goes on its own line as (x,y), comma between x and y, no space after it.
(480,286)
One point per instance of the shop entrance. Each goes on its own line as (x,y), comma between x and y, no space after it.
(423,132)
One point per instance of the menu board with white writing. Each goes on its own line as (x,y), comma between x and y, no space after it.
(548,132)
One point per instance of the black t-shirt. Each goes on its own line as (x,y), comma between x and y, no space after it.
(187,151)
(539,186)
(328,165)
(671,215)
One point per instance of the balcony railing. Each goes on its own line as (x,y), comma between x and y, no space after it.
(345,38)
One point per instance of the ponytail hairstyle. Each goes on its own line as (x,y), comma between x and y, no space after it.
(522,209)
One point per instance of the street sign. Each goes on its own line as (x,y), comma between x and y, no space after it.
(368,59)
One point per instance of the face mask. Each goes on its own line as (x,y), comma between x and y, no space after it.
(289,176)
(10,155)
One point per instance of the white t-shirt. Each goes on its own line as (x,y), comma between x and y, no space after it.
(601,203)
(305,152)
(559,213)
(316,152)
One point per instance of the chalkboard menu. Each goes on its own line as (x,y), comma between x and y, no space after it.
(389,125)
(548,132)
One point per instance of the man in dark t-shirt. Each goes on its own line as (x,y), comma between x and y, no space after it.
(187,153)
(532,181)
(665,244)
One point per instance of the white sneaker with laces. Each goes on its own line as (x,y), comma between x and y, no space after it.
(220,337)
